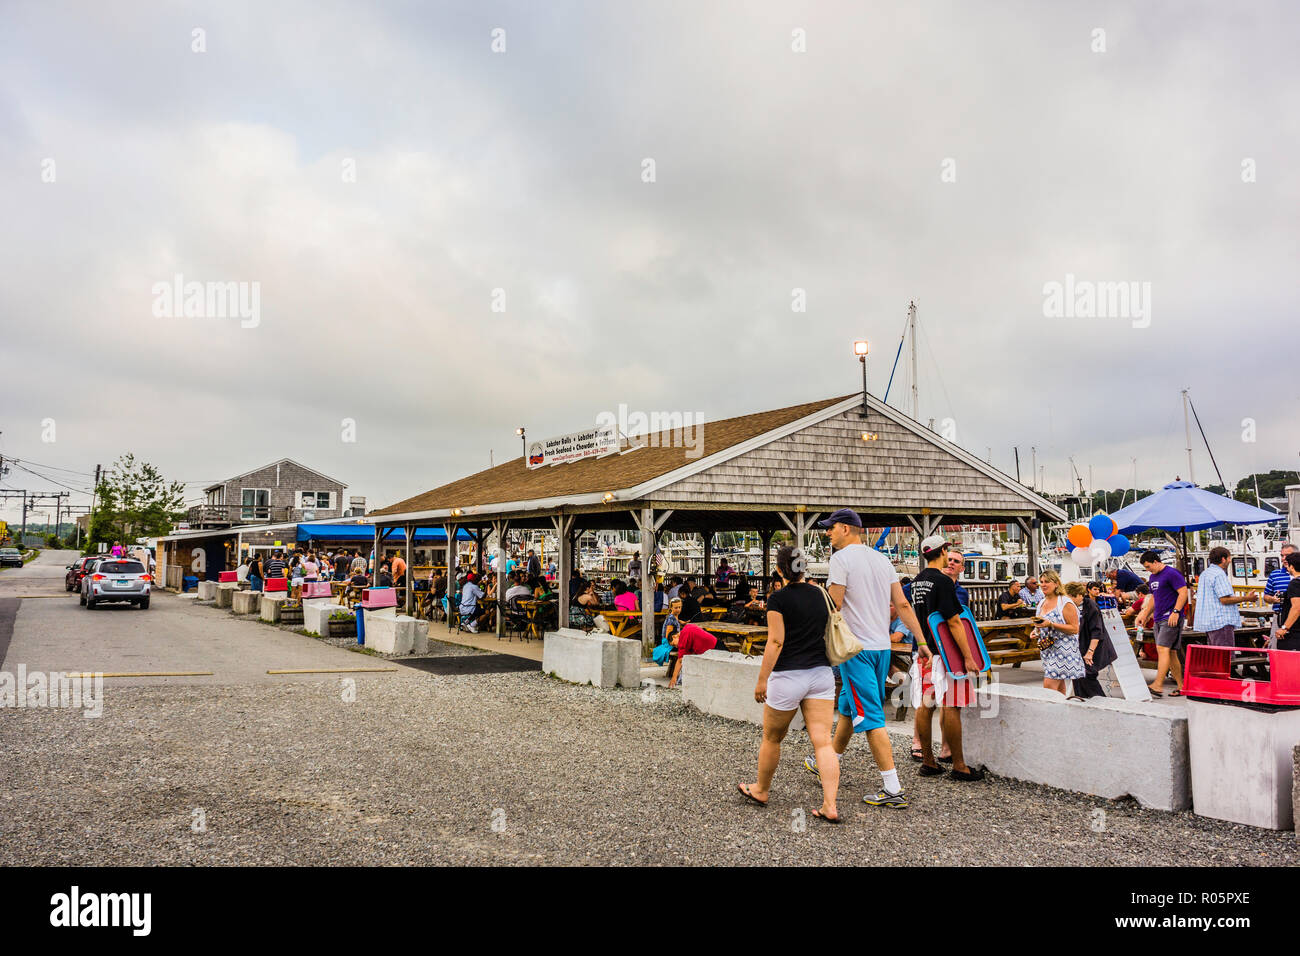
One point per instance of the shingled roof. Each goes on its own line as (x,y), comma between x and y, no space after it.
(514,481)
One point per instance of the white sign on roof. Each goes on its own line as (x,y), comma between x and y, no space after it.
(592,443)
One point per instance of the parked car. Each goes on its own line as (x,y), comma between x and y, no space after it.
(11,557)
(77,570)
(116,579)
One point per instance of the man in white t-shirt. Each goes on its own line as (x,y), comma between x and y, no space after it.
(863,584)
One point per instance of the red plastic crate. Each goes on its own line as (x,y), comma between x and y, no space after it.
(271,585)
(315,589)
(227,577)
(378,597)
(1209,675)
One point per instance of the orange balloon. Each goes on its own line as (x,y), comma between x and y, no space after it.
(1114,528)
(1079,536)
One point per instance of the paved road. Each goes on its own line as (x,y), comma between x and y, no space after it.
(55,633)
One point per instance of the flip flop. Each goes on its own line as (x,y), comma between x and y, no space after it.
(1175,693)
(1155,693)
(821,816)
(917,755)
(744,792)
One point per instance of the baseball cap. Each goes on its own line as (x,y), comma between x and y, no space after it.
(843,516)
(933,545)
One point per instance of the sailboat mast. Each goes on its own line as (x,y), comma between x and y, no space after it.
(1187,431)
(911,326)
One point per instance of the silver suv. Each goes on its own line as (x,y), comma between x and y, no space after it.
(116,579)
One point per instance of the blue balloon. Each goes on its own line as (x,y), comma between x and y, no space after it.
(1100,526)
(1118,545)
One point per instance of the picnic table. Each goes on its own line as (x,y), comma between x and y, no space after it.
(628,623)
(1009,640)
(749,634)
(536,612)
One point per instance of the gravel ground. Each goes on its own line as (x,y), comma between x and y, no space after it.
(510,768)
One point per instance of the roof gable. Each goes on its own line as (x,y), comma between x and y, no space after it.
(276,464)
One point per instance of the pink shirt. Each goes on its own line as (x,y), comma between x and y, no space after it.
(626,601)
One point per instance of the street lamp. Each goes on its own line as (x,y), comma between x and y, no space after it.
(860,350)
(524,440)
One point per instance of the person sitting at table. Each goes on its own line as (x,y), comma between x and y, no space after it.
(517,590)
(624,599)
(541,588)
(471,596)
(743,588)
(690,606)
(709,598)
(587,598)
(676,586)
(1140,596)
(775,586)
(385,576)
(691,640)
(1012,604)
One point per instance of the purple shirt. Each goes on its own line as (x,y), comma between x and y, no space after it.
(1164,586)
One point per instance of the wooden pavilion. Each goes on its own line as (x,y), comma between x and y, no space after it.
(778,470)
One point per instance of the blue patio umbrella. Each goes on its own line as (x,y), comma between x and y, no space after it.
(1181,506)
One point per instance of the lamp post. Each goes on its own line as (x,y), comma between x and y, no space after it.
(523,439)
(860,350)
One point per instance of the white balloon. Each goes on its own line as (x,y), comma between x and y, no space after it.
(1100,550)
(1083,557)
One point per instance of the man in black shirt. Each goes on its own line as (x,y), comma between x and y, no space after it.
(690,606)
(933,590)
(1011,603)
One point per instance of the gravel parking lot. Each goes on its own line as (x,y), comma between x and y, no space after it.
(411,767)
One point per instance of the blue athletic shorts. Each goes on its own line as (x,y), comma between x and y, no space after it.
(862,696)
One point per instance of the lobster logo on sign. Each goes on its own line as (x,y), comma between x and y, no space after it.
(535,456)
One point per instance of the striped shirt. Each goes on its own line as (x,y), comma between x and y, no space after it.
(275,568)
(1211,614)
(1277,583)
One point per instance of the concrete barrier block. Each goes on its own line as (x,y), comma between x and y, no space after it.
(598,659)
(315,612)
(207,590)
(271,606)
(722,683)
(1295,787)
(1243,763)
(1106,747)
(246,602)
(225,594)
(391,633)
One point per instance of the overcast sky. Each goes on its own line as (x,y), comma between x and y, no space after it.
(959,154)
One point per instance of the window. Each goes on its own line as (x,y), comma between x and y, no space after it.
(968,569)
(1270,564)
(986,571)
(1020,570)
(316,499)
(120,567)
(256,504)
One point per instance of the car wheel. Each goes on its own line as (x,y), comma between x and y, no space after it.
(83,598)
(144,605)
(90,603)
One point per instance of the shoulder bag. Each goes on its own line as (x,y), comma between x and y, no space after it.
(841,644)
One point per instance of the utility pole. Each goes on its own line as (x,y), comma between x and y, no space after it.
(1033,468)
(94,490)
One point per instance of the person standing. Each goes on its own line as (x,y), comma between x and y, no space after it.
(796,675)
(255,572)
(934,590)
(1279,579)
(1217,616)
(862,583)
(1165,610)
(275,567)
(1287,639)
(533,567)
(1094,643)
(953,569)
(359,563)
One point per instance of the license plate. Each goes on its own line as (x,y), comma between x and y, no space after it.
(122,584)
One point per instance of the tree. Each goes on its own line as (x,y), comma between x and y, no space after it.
(133,501)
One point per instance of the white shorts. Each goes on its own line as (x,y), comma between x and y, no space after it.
(787,689)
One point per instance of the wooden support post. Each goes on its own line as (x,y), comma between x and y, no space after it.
(1034,546)
(479,535)
(451,531)
(708,557)
(563,527)
(501,528)
(648,635)
(766,538)
(374,561)
(409,576)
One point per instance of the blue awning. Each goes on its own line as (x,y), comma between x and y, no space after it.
(366,532)
(1181,506)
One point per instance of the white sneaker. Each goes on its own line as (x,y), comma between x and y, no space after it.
(472,627)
